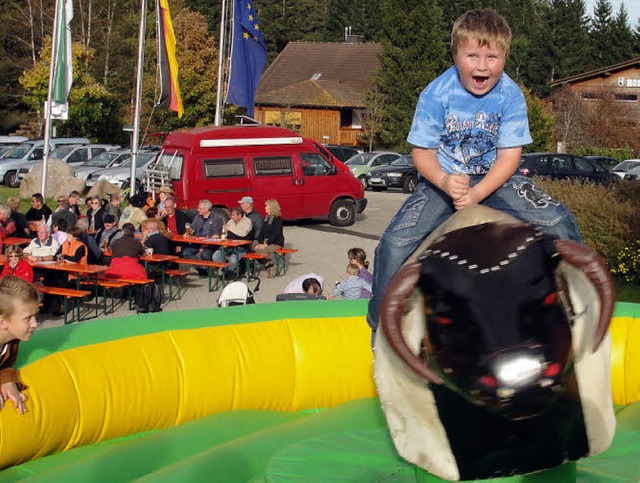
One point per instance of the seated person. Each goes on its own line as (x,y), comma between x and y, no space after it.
(16,265)
(73,250)
(22,226)
(175,220)
(38,213)
(154,238)
(206,224)
(312,290)
(351,288)
(94,254)
(113,207)
(108,233)
(133,213)
(295,286)
(60,230)
(125,256)
(63,212)
(237,228)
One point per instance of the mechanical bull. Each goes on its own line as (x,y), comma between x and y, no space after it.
(493,358)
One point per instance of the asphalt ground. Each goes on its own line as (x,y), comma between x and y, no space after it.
(322,249)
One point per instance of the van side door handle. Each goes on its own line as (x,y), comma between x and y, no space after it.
(297,181)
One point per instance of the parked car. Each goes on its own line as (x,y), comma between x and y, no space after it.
(564,166)
(633,174)
(621,169)
(29,151)
(101,161)
(401,173)
(73,154)
(343,153)
(362,163)
(119,173)
(604,161)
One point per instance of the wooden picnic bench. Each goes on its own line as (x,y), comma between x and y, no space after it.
(215,270)
(280,259)
(69,295)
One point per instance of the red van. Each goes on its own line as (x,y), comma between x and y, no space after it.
(223,164)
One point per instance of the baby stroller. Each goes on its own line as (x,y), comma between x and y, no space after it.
(237,293)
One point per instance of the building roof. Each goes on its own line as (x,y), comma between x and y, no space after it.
(319,74)
(601,72)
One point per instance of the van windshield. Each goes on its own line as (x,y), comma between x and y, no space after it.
(171,163)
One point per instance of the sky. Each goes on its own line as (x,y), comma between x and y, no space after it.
(632,6)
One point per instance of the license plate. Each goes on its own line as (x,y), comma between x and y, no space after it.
(375,180)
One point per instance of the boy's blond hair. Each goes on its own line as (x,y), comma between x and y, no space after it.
(14,289)
(485,25)
(353,269)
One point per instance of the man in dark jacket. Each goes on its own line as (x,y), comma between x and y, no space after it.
(175,220)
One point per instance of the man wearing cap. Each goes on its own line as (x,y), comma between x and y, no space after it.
(108,233)
(164,193)
(246,203)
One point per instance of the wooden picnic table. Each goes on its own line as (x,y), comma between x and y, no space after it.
(14,240)
(158,259)
(223,244)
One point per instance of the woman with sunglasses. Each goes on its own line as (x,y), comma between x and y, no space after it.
(16,265)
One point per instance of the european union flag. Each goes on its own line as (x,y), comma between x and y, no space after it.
(248,56)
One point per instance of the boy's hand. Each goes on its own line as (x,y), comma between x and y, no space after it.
(456,185)
(469,199)
(9,390)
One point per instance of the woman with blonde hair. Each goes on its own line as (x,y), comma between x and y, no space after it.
(271,236)
(16,265)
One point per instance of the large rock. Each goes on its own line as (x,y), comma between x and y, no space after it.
(103,189)
(60,180)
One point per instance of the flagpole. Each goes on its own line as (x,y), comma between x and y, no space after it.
(47,107)
(135,140)
(219,102)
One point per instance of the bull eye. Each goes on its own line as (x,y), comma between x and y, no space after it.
(552,370)
(444,320)
(550,299)
(488,381)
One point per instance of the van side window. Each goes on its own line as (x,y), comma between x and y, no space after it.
(314,165)
(223,168)
(274,165)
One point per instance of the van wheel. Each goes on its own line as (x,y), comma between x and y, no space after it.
(409,185)
(11,179)
(223,212)
(343,213)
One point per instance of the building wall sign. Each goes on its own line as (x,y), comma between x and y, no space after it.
(627,82)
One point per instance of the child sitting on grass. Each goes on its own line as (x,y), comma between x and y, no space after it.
(18,309)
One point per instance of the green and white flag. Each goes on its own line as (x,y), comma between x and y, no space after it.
(63,70)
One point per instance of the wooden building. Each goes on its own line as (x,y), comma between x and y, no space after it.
(317,89)
(619,83)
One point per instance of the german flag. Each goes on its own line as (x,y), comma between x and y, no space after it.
(167,63)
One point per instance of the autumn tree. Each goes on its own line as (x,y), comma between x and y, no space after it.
(373,115)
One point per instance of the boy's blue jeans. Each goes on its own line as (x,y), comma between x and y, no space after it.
(428,207)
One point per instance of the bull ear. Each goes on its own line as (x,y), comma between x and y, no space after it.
(399,290)
(598,274)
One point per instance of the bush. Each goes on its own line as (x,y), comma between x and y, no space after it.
(608,217)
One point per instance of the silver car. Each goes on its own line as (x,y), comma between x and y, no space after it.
(119,173)
(101,161)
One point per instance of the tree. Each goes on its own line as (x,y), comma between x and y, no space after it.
(414,54)
(601,36)
(540,123)
(373,116)
(569,112)
(92,110)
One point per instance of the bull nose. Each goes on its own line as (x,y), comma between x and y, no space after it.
(518,369)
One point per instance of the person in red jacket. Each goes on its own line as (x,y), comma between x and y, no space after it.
(16,265)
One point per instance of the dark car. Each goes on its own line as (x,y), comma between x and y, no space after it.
(341,152)
(563,166)
(401,173)
(604,161)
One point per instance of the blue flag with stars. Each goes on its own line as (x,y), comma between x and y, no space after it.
(248,56)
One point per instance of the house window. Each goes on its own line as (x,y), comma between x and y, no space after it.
(272,166)
(589,96)
(223,168)
(626,97)
(288,119)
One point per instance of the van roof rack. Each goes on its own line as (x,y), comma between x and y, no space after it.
(242,120)
(218,143)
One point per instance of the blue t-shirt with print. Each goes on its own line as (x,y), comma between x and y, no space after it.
(467,129)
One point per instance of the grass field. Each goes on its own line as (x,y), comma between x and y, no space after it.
(626,292)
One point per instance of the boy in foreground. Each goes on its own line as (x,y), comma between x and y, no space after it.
(467,135)
(18,309)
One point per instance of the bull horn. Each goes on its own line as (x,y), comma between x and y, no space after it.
(399,290)
(598,274)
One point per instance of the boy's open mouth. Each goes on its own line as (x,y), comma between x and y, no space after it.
(479,82)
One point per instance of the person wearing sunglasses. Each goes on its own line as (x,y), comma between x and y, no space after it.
(95,214)
(16,265)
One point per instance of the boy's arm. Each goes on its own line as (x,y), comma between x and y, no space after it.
(507,160)
(426,161)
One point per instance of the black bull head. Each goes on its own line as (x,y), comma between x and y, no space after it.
(497,314)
